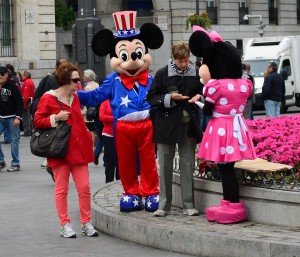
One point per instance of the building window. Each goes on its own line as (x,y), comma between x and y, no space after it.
(273,12)
(143,7)
(243,3)
(212,11)
(298,11)
(210,3)
(243,10)
(6,39)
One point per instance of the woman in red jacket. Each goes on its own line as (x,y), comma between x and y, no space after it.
(80,148)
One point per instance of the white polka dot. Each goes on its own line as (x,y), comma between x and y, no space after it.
(223,101)
(229,149)
(222,150)
(243,88)
(235,135)
(221,132)
(243,148)
(211,90)
(233,112)
(230,86)
(241,108)
(210,129)
(206,145)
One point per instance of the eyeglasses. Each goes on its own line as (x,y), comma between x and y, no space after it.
(76,80)
(2,74)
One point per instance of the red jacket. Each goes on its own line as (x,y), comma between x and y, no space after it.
(80,145)
(105,115)
(27,92)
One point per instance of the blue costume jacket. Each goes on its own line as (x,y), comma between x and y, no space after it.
(122,100)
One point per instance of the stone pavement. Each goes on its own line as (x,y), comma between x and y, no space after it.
(29,223)
(192,235)
(30,227)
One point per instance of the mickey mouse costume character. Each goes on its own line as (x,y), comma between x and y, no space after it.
(127,88)
(226,139)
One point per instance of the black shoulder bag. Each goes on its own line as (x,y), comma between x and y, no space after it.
(51,142)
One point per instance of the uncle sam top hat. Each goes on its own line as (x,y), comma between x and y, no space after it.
(125,24)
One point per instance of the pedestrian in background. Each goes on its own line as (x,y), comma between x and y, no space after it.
(248,112)
(80,148)
(27,94)
(90,84)
(110,159)
(11,107)
(273,90)
(176,121)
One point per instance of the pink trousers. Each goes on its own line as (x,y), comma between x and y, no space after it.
(80,176)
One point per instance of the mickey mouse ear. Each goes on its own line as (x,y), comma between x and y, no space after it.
(103,42)
(200,43)
(151,35)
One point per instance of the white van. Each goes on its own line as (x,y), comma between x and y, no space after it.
(285,51)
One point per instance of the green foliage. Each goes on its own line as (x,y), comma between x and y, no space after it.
(64,15)
(201,20)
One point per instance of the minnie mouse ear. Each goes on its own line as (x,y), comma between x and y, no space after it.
(151,35)
(103,42)
(200,43)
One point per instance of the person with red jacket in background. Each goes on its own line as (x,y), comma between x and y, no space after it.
(27,94)
(110,156)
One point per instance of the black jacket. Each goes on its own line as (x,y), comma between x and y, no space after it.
(167,120)
(46,84)
(11,101)
(274,87)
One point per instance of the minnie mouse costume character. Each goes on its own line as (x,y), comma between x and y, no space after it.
(127,88)
(226,139)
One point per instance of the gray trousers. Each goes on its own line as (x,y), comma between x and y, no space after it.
(166,153)
(27,122)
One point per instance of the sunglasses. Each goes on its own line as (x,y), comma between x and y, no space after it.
(76,80)
(2,74)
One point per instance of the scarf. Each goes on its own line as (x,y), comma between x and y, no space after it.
(179,71)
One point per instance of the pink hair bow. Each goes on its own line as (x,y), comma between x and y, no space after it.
(214,36)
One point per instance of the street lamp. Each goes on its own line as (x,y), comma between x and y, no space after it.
(260,26)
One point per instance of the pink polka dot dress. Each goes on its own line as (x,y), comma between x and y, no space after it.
(227,138)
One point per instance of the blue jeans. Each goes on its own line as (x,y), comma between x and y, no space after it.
(14,133)
(272,108)
(6,136)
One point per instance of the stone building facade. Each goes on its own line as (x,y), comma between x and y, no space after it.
(279,17)
(29,39)
(27,35)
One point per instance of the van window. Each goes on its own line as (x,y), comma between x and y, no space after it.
(259,66)
(286,68)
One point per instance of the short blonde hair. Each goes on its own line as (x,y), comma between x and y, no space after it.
(180,50)
(90,75)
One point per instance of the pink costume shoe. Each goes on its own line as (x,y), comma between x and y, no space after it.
(211,211)
(234,213)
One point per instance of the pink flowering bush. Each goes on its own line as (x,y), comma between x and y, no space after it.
(277,139)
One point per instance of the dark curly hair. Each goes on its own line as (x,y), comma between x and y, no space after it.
(64,72)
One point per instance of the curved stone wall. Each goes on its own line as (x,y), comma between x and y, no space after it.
(267,206)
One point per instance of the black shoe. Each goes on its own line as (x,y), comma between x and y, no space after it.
(14,168)
(96,161)
(49,170)
(2,165)
(26,134)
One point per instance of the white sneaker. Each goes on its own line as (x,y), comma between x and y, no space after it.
(87,229)
(161,213)
(191,212)
(67,231)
